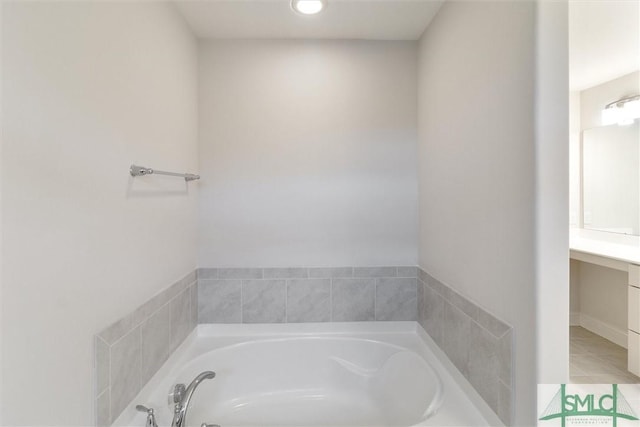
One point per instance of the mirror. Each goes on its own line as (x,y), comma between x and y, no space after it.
(611,179)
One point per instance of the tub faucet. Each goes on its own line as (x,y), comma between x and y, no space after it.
(182,397)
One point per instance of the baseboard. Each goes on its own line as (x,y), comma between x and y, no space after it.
(603,329)
(574,319)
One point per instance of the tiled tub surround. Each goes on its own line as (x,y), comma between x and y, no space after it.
(479,344)
(130,351)
(294,295)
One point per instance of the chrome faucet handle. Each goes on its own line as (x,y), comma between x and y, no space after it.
(151,418)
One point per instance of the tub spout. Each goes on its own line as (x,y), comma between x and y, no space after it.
(182,397)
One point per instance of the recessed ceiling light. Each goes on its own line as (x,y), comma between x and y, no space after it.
(308,7)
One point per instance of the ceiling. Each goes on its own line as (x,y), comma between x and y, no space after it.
(342,19)
(604,41)
(604,35)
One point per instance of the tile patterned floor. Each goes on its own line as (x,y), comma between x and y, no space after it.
(595,360)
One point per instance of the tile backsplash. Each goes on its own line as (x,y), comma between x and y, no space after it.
(130,351)
(478,343)
(280,295)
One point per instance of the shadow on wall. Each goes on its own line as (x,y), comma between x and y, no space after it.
(157,186)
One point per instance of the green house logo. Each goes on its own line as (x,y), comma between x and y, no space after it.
(565,406)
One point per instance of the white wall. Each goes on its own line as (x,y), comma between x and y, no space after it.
(575,178)
(603,299)
(1,236)
(308,152)
(476,151)
(88,88)
(552,192)
(574,292)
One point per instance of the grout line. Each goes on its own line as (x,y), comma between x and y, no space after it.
(170,326)
(103,340)
(94,378)
(504,384)
(241,301)
(126,333)
(479,325)
(197,291)
(140,371)
(286,301)
(109,415)
(505,333)
(95,373)
(375,299)
(110,418)
(330,299)
(188,291)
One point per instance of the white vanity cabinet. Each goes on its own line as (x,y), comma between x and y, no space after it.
(622,253)
(634,320)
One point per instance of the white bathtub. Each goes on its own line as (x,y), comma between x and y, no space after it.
(330,374)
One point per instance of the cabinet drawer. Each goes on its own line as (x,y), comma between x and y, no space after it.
(634,275)
(634,353)
(634,309)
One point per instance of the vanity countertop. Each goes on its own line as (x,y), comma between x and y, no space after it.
(619,247)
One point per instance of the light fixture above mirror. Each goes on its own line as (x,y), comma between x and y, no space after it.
(623,112)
